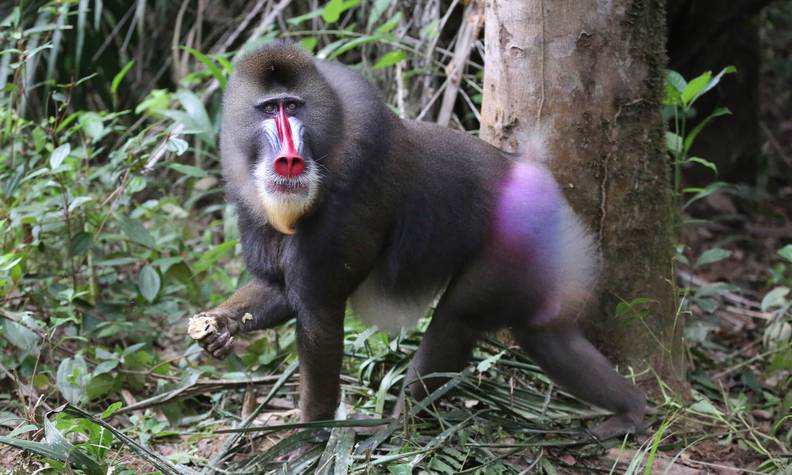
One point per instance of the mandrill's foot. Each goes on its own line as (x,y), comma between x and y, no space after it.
(214,331)
(619,425)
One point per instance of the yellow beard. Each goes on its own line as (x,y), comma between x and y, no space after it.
(283,213)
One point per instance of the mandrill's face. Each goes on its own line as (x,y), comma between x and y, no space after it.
(285,176)
(277,110)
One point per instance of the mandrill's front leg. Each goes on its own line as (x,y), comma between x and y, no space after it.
(255,306)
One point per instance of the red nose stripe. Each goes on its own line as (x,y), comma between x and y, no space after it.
(288,162)
(285,132)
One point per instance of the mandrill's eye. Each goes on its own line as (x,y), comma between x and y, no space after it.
(291,106)
(268,108)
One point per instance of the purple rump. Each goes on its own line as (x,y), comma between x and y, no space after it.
(528,217)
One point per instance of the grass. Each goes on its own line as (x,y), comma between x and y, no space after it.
(114,232)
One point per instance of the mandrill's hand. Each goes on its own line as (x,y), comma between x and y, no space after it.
(214,331)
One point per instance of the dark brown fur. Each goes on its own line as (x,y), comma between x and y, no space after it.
(407,204)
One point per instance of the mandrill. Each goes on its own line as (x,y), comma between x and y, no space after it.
(340,200)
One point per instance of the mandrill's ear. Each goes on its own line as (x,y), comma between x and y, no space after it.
(281,63)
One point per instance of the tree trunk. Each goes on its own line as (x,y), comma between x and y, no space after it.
(589,74)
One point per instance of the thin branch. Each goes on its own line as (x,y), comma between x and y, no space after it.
(214,85)
(473,21)
(241,27)
(776,145)
(688,278)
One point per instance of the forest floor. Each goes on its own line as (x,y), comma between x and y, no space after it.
(102,265)
(502,415)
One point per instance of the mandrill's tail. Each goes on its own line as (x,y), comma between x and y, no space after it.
(578,261)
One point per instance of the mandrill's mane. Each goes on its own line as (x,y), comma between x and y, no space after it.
(281,62)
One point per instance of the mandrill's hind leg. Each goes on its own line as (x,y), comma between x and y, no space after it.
(570,360)
(445,348)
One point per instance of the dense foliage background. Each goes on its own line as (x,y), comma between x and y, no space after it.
(115,231)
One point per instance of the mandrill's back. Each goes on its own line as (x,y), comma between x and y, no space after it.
(447,197)
(438,184)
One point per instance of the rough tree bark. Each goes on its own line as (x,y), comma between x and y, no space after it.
(589,73)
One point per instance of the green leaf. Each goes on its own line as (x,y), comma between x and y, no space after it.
(155,102)
(691,137)
(177,145)
(131,349)
(70,454)
(93,125)
(309,44)
(400,469)
(671,97)
(377,9)
(100,385)
(21,336)
(120,77)
(711,256)
(775,298)
(700,89)
(23,429)
(635,309)
(105,367)
(673,142)
(209,258)
(786,252)
(80,243)
(705,406)
(39,138)
(296,20)
(134,231)
(430,30)
(714,81)
(82,16)
(777,334)
(118,261)
(489,362)
(79,201)
(214,70)
(390,24)
(390,58)
(329,48)
(49,451)
(71,379)
(59,155)
(706,163)
(111,409)
(148,283)
(159,462)
(196,112)
(182,273)
(676,80)
(165,263)
(189,170)
(8,261)
(695,87)
(781,361)
(227,65)
(703,193)
(674,85)
(352,44)
(334,8)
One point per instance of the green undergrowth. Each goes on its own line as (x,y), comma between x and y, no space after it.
(114,231)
